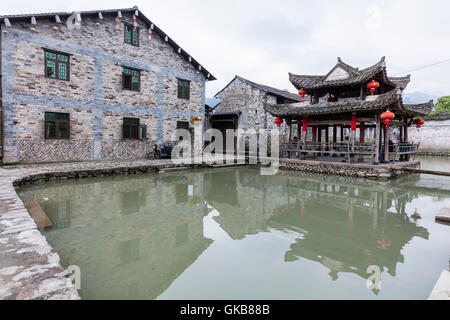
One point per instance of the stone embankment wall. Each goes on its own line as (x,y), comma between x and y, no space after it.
(346,169)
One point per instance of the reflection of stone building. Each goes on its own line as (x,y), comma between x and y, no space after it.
(138,237)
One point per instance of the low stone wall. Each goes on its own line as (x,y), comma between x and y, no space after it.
(380,171)
(434,137)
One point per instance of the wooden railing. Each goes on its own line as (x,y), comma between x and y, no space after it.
(348,150)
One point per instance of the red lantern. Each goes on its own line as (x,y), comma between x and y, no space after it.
(373,86)
(302,93)
(278,122)
(419,123)
(387,117)
(353,123)
(305,125)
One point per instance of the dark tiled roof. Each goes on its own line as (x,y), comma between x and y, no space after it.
(342,106)
(347,105)
(401,82)
(421,109)
(356,76)
(195,63)
(271,90)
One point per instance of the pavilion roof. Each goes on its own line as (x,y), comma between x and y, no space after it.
(354,76)
(345,105)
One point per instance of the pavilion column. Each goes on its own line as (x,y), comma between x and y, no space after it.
(289,139)
(342,133)
(402,136)
(319,139)
(327,139)
(405,137)
(362,132)
(314,135)
(402,126)
(386,144)
(299,136)
(334,138)
(377,141)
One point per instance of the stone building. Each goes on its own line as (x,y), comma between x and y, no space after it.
(243,100)
(93,85)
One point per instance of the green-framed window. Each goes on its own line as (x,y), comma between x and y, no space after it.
(57,65)
(131,128)
(131,79)
(184,88)
(131,34)
(57,125)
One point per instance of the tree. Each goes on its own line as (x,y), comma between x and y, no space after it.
(442,105)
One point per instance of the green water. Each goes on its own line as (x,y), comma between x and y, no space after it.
(233,234)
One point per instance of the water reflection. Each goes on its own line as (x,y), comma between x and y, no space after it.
(134,236)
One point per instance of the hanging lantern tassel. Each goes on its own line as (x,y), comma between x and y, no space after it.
(353,123)
(387,117)
(305,125)
(117,24)
(278,122)
(149,34)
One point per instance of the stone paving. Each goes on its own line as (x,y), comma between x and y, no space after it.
(29,267)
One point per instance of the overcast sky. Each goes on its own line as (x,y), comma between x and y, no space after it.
(264,40)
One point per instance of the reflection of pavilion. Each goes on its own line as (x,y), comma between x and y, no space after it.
(344,226)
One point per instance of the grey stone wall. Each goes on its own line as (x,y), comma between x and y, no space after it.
(249,100)
(434,137)
(94,95)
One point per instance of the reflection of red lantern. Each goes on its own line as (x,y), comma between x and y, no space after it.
(278,122)
(302,93)
(302,212)
(305,125)
(419,123)
(373,86)
(353,123)
(387,117)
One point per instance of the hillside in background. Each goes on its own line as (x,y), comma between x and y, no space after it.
(418,97)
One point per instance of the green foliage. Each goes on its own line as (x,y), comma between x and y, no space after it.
(443,105)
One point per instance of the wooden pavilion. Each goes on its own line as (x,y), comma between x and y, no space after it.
(342,116)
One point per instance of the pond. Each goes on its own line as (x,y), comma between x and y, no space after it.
(232,234)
